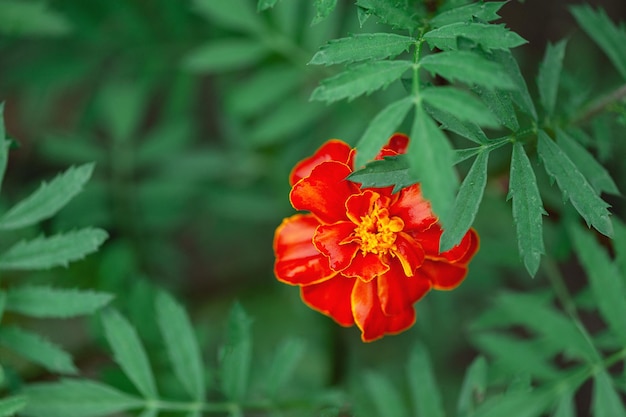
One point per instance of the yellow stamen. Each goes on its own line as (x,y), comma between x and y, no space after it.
(377,231)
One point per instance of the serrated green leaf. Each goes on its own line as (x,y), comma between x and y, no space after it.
(224,55)
(380,128)
(519,93)
(37,349)
(47,302)
(360,79)
(431,160)
(483,11)
(607,284)
(549,74)
(362,47)
(393,13)
(323,8)
(384,173)
(474,387)
(181,345)
(573,185)
(610,37)
(11,405)
(384,396)
(565,406)
(598,177)
(56,250)
(129,352)
(467,67)
(288,355)
(265,4)
(32,18)
(489,36)
(236,355)
(462,104)
(527,209)
(501,105)
(425,393)
(466,204)
(48,199)
(232,14)
(606,401)
(452,123)
(76,398)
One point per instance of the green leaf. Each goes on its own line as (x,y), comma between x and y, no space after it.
(76,398)
(47,302)
(489,36)
(606,401)
(519,94)
(431,160)
(610,37)
(4,146)
(466,204)
(232,14)
(181,345)
(467,67)
(236,355)
(573,185)
(565,406)
(482,11)
(48,199)
(224,55)
(501,105)
(323,8)
(607,284)
(31,18)
(362,47)
(424,389)
(549,73)
(465,106)
(516,404)
(37,349)
(527,209)
(390,12)
(450,122)
(129,352)
(474,387)
(384,396)
(11,405)
(598,177)
(265,4)
(619,244)
(56,250)
(392,170)
(360,79)
(380,129)
(288,355)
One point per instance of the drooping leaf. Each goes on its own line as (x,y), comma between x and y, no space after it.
(56,250)
(288,355)
(380,129)
(489,36)
(323,8)
(265,4)
(76,398)
(383,173)
(37,349)
(573,185)
(598,177)
(519,93)
(384,396)
(462,104)
(181,345)
(48,302)
(527,209)
(31,18)
(606,401)
(450,122)
(393,13)
(129,352)
(549,74)
(424,389)
(236,355)
(232,14)
(11,405)
(360,79)
(224,55)
(48,199)
(466,204)
(610,37)
(474,387)
(467,67)
(483,11)
(501,105)
(431,160)
(362,47)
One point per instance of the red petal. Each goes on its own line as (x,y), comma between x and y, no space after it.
(397,145)
(409,252)
(443,275)
(332,150)
(324,192)
(331,297)
(414,209)
(463,252)
(298,262)
(401,322)
(397,292)
(360,205)
(327,240)
(366,267)
(474,244)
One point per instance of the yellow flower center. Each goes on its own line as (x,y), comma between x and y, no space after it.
(377,231)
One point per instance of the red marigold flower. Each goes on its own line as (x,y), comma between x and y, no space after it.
(363,256)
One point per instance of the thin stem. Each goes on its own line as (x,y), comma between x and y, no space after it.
(600,104)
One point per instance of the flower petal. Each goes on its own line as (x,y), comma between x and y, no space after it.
(414,209)
(474,244)
(298,262)
(443,275)
(396,145)
(463,252)
(332,150)
(331,297)
(360,205)
(328,240)
(366,267)
(409,252)
(324,192)
(401,322)
(397,292)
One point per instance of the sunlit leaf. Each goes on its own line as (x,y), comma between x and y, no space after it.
(224,55)
(483,11)
(362,47)
(236,355)
(323,8)
(43,301)
(384,396)
(549,73)
(383,173)
(606,401)
(465,106)
(489,36)
(424,389)
(474,387)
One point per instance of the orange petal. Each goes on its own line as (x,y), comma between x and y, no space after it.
(328,240)
(332,298)
(443,275)
(324,192)
(360,205)
(298,262)
(398,293)
(332,150)
(409,252)
(414,209)
(366,267)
